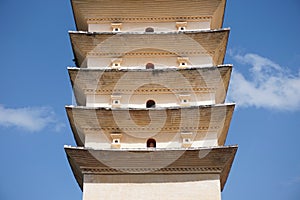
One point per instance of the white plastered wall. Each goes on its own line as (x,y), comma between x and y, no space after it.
(132,140)
(150,187)
(97,141)
(140,27)
(140,62)
(139,100)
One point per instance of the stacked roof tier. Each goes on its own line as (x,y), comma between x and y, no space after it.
(199,48)
(97,15)
(179,127)
(157,165)
(133,87)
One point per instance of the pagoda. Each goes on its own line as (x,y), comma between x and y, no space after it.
(150,119)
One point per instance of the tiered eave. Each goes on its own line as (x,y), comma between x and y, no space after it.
(212,43)
(212,160)
(131,11)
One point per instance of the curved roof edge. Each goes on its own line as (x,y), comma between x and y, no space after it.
(107,44)
(73,68)
(157,108)
(81,117)
(213,160)
(133,11)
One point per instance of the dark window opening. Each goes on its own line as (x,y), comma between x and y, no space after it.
(150,104)
(149,66)
(151,143)
(149,30)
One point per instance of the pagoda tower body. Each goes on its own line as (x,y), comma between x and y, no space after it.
(150,119)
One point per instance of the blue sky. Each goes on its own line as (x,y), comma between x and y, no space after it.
(35,51)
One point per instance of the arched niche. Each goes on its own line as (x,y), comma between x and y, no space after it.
(149,66)
(150,104)
(151,143)
(149,30)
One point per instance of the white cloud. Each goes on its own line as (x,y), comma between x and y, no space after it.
(268,85)
(32,119)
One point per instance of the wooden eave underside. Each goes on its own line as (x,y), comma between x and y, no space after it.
(179,44)
(200,120)
(216,160)
(157,81)
(101,11)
